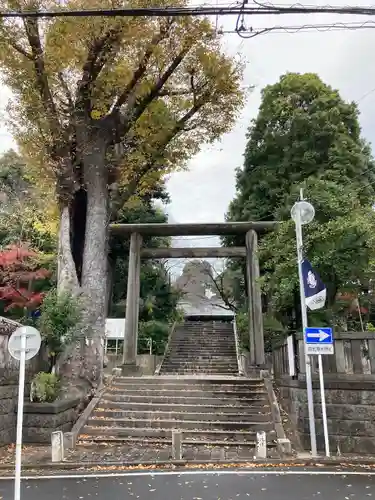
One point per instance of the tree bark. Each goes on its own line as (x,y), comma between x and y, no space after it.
(66,271)
(94,267)
(81,365)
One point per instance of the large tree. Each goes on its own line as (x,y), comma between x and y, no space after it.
(102,103)
(307,136)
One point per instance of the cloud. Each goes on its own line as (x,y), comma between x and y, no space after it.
(342,59)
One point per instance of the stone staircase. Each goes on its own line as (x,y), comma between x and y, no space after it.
(213,412)
(201,347)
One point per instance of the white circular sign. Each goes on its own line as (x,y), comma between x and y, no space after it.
(305,211)
(33,342)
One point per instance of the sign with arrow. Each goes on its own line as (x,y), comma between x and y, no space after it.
(319,341)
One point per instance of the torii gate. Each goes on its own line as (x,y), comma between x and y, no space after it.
(136,253)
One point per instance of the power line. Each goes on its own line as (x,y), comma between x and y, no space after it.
(253,32)
(241,10)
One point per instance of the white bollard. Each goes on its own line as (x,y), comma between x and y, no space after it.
(176,445)
(261,448)
(57,445)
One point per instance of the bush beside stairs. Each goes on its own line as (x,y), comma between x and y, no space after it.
(201,396)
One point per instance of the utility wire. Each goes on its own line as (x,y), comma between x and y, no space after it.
(241,10)
(253,32)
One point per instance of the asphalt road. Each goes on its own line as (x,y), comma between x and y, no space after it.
(218,486)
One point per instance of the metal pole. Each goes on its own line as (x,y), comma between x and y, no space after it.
(21,390)
(324,407)
(310,401)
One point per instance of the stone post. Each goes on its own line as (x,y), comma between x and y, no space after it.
(261,447)
(132,301)
(176,444)
(257,355)
(57,446)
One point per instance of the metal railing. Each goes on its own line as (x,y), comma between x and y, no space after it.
(158,368)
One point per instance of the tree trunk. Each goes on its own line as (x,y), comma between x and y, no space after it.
(95,265)
(81,365)
(66,270)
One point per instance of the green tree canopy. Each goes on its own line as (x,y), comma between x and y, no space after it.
(307,136)
(158,299)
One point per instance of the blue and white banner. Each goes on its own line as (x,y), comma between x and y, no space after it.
(315,289)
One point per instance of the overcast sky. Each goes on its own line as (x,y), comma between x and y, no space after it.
(343,59)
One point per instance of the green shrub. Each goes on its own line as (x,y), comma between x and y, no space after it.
(45,387)
(273,331)
(60,314)
(158,332)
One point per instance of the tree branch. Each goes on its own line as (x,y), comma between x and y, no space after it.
(99,54)
(170,93)
(32,32)
(66,90)
(142,68)
(20,50)
(153,164)
(219,287)
(154,92)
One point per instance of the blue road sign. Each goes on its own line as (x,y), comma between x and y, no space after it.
(319,335)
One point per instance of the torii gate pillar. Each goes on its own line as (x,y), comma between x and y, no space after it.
(132,301)
(256,334)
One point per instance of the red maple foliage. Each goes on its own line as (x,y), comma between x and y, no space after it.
(351,299)
(18,270)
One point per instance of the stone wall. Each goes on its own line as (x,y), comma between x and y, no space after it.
(146,363)
(41,419)
(350,413)
(9,369)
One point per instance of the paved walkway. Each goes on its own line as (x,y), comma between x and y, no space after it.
(200,486)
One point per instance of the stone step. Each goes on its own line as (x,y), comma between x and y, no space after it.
(175,365)
(197,385)
(195,359)
(181,373)
(189,392)
(160,379)
(106,440)
(189,358)
(195,425)
(257,406)
(199,365)
(189,361)
(249,400)
(206,453)
(204,353)
(202,339)
(247,416)
(203,349)
(206,436)
(199,353)
(200,368)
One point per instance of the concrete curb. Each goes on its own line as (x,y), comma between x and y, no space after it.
(284,445)
(272,463)
(70,438)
